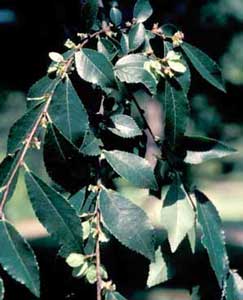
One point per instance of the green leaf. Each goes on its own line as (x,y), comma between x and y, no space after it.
(1,289)
(142,10)
(55,213)
(130,69)
(75,260)
(89,14)
(108,48)
(121,217)
(234,290)
(183,79)
(159,270)
(63,161)
(213,237)
(68,113)
(83,201)
(176,113)
(41,90)
(18,259)
(95,68)
(200,149)
(169,29)
(177,214)
(77,200)
(21,129)
(125,43)
(207,68)
(124,126)
(110,295)
(115,16)
(7,167)
(136,36)
(91,274)
(91,144)
(147,48)
(133,168)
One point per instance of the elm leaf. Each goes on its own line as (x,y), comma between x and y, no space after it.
(177,215)
(159,270)
(130,69)
(136,36)
(95,68)
(108,48)
(124,126)
(91,144)
(18,259)
(68,113)
(206,67)
(115,16)
(133,168)
(121,216)
(142,10)
(55,213)
(176,113)
(63,161)
(200,149)
(213,237)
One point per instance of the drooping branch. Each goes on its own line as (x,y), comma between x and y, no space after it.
(27,143)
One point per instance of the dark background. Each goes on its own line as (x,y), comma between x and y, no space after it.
(43,26)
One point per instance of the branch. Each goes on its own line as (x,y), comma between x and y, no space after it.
(24,150)
(97,251)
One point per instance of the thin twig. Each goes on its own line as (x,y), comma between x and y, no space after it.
(143,117)
(98,260)
(87,39)
(27,143)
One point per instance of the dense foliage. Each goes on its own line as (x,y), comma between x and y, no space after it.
(89,141)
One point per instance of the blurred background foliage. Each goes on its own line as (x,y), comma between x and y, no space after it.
(31,29)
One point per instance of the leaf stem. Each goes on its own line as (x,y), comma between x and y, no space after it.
(87,39)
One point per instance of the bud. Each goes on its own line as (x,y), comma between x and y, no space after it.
(168,72)
(35,143)
(128,24)
(52,69)
(154,68)
(177,38)
(70,44)
(44,122)
(82,35)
